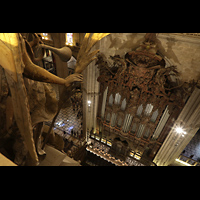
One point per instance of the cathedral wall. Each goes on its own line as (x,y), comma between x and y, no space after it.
(184,52)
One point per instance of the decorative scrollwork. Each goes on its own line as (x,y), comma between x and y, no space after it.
(141,76)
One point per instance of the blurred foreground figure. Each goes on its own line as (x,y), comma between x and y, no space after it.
(26,97)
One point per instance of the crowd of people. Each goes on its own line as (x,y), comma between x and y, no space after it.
(77,134)
(77,104)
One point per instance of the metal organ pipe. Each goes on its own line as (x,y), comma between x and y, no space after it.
(123,106)
(110,100)
(127,117)
(117,98)
(148,109)
(140,130)
(125,121)
(161,124)
(113,119)
(104,103)
(139,110)
(154,116)
(129,123)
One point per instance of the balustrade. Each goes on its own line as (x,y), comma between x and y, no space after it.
(187,161)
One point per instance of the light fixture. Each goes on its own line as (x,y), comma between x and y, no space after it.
(69,39)
(180,130)
(45,36)
(89,103)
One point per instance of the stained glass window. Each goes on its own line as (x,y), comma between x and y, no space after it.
(69,39)
(46,36)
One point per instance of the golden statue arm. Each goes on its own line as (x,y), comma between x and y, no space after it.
(84,57)
(37,73)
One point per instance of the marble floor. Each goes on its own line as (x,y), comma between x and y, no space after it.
(66,121)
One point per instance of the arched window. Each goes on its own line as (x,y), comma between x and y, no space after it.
(69,39)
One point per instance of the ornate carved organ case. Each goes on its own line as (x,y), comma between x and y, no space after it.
(139,99)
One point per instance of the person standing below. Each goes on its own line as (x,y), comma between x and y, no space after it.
(72,132)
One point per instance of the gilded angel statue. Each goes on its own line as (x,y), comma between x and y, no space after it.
(19,79)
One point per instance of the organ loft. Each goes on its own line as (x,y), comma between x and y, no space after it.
(101,99)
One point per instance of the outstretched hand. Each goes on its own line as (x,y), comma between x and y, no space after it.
(73,78)
(84,57)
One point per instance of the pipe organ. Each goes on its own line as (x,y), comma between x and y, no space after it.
(138,101)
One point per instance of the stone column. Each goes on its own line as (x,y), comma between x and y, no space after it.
(189,121)
(90,95)
(91,89)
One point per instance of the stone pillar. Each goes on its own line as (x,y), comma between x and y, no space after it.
(90,95)
(189,121)
(91,89)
